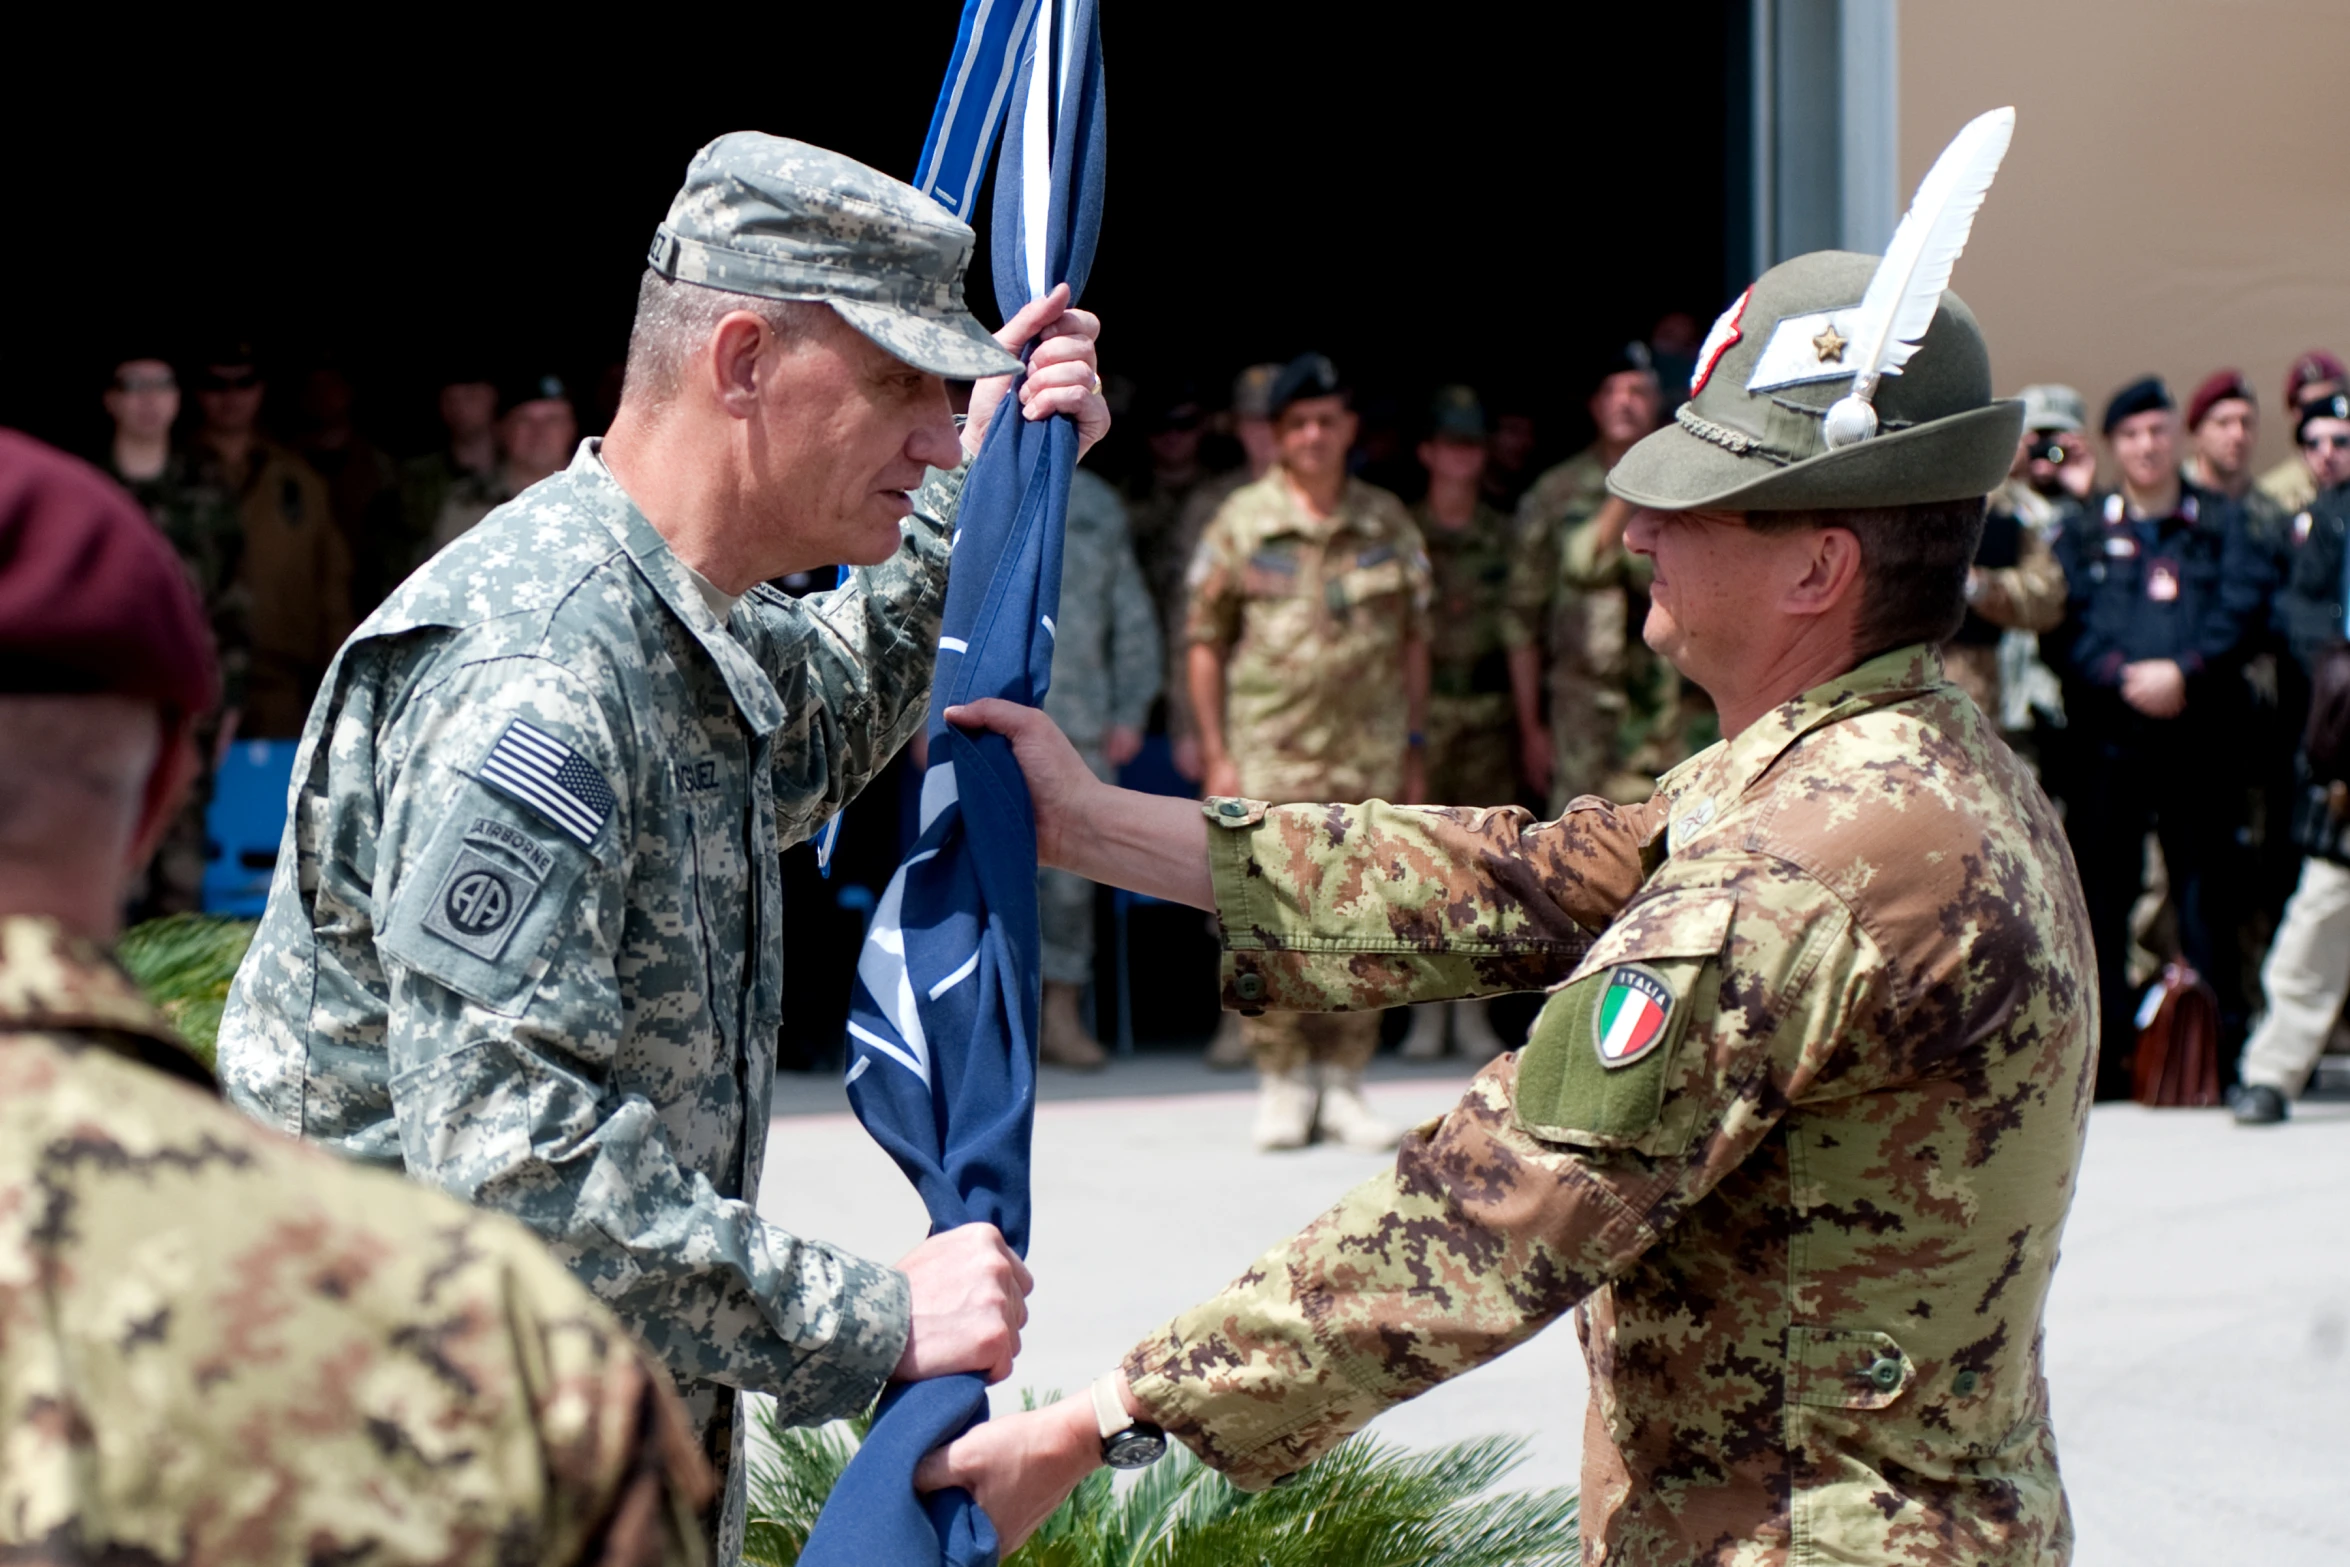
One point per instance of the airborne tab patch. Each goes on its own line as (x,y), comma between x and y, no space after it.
(1629,1021)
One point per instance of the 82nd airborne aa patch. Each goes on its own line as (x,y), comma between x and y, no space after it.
(1630,1019)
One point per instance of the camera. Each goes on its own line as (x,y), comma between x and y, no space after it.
(2049,450)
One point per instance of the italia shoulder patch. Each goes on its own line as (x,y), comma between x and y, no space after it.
(1629,1021)
(551,778)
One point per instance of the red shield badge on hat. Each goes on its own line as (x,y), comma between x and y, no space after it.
(1727,330)
(1630,1021)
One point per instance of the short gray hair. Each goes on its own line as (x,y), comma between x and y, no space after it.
(73,774)
(675,318)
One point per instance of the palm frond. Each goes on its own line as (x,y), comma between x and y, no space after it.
(184,963)
(1369,1503)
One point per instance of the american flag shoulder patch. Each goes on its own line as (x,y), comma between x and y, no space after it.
(547,775)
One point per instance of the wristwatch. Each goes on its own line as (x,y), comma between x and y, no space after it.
(1127,1443)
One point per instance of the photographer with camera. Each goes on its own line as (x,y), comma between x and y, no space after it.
(2015,583)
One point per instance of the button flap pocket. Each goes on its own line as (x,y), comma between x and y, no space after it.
(1846,1368)
(1598,1069)
(476,909)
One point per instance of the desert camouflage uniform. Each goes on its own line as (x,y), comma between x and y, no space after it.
(296,570)
(1471,754)
(208,536)
(1106,652)
(218,1345)
(1806,1222)
(569,1010)
(1311,615)
(2019,587)
(1619,715)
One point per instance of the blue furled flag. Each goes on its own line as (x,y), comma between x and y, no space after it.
(942,1033)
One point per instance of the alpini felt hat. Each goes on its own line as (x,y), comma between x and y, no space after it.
(780,219)
(1842,380)
(1750,436)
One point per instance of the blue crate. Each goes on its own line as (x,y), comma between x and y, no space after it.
(245,824)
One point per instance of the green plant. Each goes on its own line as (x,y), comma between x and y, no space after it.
(184,963)
(1367,1503)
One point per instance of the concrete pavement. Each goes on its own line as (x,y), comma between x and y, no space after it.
(2198,1333)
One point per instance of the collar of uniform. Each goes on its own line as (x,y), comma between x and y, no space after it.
(1354,511)
(1706,785)
(673,581)
(52,980)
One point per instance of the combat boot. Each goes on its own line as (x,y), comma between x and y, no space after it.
(1426,1040)
(1228,1051)
(1347,1117)
(2257,1104)
(1472,1030)
(1285,1109)
(1063,1041)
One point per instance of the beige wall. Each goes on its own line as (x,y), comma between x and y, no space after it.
(2178,194)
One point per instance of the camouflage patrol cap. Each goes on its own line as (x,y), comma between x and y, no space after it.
(780,219)
(1749,437)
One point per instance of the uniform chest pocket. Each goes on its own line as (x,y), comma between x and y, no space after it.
(479,908)
(1374,574)
(1270,574)
(1599,1068)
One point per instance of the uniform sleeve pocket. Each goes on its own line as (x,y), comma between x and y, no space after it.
(1599,1066)
(479,909)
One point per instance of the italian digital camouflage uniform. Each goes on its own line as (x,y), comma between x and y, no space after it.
(219,1345)
(1619,715)
(1794,1139)
(1106,652)
(1311,616)
(523,937)
(204,530)
(1471,732)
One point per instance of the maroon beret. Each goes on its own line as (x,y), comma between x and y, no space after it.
(92,599)
(2312,369)
(2218,387)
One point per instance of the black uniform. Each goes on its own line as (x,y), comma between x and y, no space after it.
(2190,587)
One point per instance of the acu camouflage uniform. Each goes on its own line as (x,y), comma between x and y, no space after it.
(1806,1225)
(218,1345)
(1311,616)
(1105,672)
(1471,756)
(1619,714)
(523,940)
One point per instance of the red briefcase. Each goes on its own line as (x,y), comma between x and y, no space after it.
(2178,1042)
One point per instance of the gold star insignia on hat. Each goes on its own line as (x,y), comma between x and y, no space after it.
(1830,345)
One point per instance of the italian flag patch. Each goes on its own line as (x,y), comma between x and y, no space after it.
(1631,1017)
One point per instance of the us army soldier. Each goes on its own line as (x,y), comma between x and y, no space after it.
(1308,667)
(217,1344)
(523,941)
(1795,1139)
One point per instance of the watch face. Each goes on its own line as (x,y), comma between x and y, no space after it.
(1134,1447)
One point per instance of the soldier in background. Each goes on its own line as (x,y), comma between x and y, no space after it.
(1471,735)
(1107,671)
(1598,713)
(2015,583)
(468,406)
(1173,427)
(2294,483)
(2223,426)
(362,484)
(215,1343)
(1308,622)
(203,529)
(538,426)
(294,565)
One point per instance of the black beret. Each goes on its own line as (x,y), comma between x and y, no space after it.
(92,600)
(2336,406)
(2143,395)
(542,387)
(1308,375)
(1622,358)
